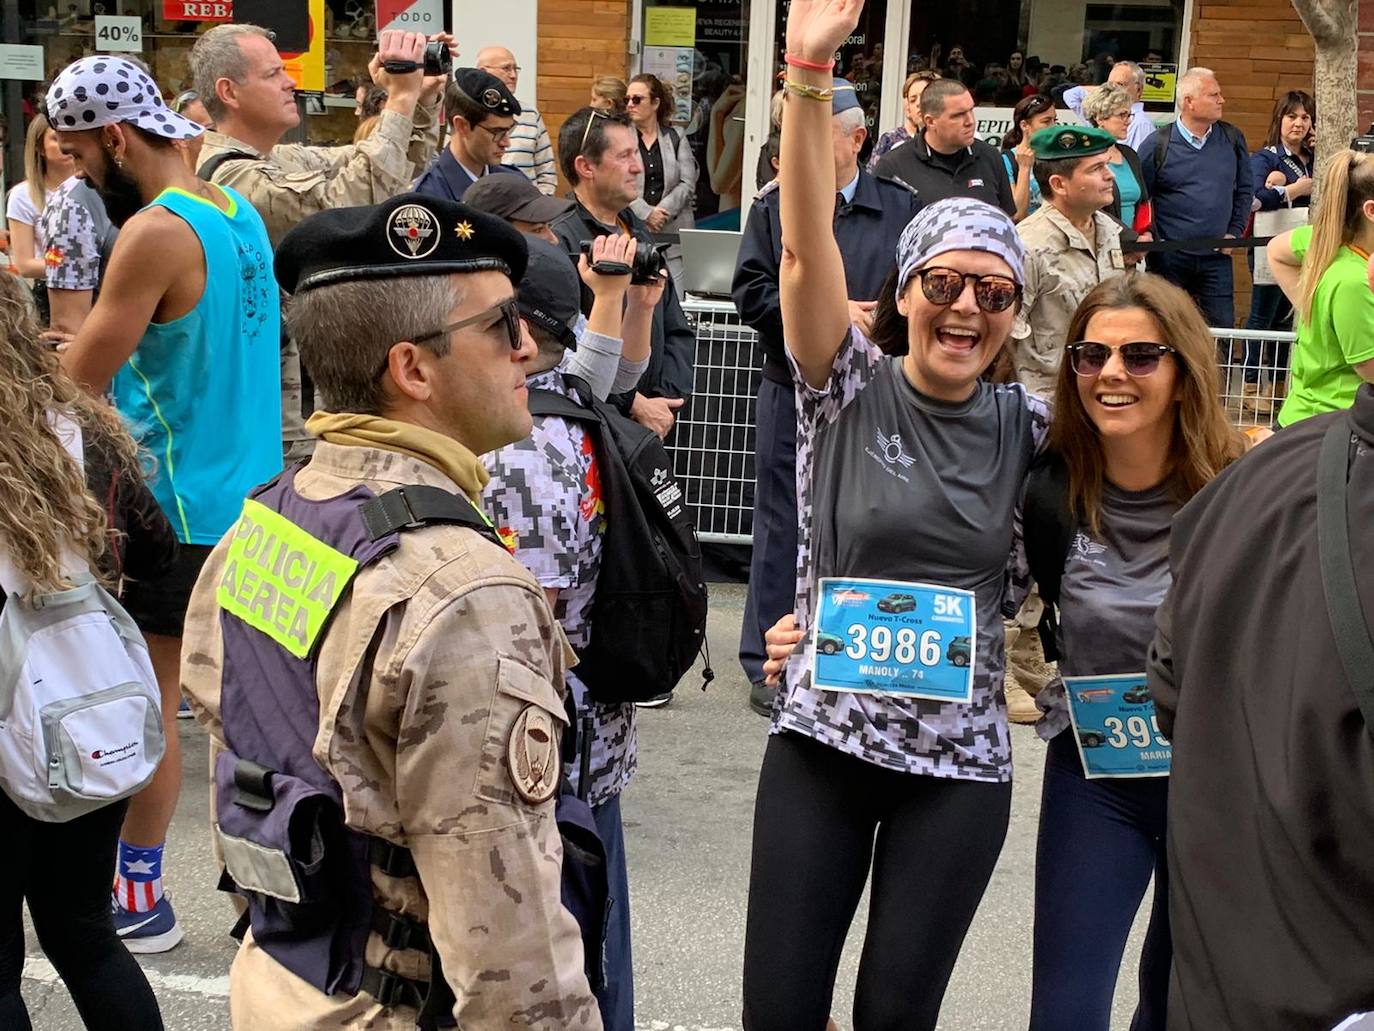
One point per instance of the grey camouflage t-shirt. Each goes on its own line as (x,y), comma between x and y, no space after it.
(1111,587)
(545,497)
(74,229)
(895,485)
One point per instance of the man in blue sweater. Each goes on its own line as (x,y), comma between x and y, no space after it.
(1197,169)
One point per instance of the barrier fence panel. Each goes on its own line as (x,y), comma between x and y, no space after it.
(713,443)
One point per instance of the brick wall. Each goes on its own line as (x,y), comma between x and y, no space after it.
(579,40)
(1364,79)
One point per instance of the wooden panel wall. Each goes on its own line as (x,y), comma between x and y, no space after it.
(579,40)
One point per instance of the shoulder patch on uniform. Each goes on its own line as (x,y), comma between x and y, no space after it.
(897,180)
(532,755)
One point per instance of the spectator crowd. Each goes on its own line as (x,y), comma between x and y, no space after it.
(356,455)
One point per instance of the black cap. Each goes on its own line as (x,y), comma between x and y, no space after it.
(513,196)
(486,91)
(410,235)
(549,293)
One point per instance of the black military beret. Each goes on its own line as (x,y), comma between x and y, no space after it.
(486,91)
(410,235)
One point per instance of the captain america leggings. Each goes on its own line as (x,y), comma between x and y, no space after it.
(64,872)
(822,820)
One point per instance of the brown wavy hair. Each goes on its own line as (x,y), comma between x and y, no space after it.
(44,502)
(1204,442)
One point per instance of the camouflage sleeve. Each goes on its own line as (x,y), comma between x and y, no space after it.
(855,365)
(71,254)
(300,180)
(529,498)
(1030,290)
(477,768)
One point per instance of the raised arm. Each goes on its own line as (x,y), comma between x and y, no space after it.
(815,309)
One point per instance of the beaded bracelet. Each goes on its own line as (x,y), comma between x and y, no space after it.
(801,89)
(814,66)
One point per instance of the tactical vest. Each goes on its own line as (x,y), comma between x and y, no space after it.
(304,874)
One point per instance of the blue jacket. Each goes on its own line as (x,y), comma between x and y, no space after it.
(445,177)
(867,231)
(1293,167)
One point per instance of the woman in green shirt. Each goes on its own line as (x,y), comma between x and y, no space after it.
(1324,270)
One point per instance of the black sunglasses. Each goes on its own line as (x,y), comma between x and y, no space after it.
(1139,358)
(510,321)
(944,286)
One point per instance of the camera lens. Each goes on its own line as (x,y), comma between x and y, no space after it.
(438,60)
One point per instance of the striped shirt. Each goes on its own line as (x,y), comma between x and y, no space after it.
(531,152)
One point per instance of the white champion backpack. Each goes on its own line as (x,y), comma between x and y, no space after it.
(80,710)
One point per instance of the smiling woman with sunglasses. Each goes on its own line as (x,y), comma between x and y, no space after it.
(889,746)
(1138,430)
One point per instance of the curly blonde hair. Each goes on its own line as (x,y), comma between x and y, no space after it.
(44,502)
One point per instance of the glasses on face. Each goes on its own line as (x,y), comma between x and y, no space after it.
(183,99)
(497,135)
(509,322)
(634,101)
(944,286)
(592,117)
(1139,358)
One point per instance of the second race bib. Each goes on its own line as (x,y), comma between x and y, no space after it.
(1115,727)
(894,637)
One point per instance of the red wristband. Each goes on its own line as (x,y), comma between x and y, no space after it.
(812,66)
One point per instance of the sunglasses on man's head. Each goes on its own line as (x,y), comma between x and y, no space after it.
(1139,358)
(943,286)
(592,116)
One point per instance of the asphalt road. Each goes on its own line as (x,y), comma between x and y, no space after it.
(687,819)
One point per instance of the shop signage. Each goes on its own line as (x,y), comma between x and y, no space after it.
(198,10)
(425,16)
(21,61)
(992,123)
(1160,82)
(670,26)
(119,32)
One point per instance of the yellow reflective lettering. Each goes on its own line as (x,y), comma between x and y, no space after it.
(285,606)
(289,578)
(263,601)
(246,587)
(300,628)
(323,591)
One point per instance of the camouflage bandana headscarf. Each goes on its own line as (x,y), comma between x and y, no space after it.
(958,224)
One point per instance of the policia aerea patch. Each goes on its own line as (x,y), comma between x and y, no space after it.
(280,580)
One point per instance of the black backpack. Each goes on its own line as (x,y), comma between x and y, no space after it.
(649,613)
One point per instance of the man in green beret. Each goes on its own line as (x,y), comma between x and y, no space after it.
(1071,246)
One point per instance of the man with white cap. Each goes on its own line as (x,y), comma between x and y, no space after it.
(185,336)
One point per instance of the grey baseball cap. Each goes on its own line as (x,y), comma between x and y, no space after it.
(510,195)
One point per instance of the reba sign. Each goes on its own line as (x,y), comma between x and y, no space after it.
(198,10)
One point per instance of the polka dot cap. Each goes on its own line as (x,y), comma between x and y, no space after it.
(102,90)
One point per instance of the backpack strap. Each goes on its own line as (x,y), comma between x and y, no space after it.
(408,508)
(1048,527)
(1353,640)
(207,170)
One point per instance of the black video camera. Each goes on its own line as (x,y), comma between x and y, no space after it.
(649,263)
(1364,144)
(438,61)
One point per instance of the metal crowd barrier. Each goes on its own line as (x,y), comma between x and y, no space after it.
(713,444)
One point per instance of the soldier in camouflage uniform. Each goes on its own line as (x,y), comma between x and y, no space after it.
(438,672)
(1071,246)
(240,76)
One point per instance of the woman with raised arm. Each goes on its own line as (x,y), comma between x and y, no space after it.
(889,745)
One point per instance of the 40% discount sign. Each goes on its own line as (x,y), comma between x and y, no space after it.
(119,33)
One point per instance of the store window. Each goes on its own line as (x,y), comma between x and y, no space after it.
(161,33)
(700,53)
(860,60)
(1002,48)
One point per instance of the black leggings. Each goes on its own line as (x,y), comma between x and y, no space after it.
(64,871)
(815,821)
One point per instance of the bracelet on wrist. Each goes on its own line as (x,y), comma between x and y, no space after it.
(812,66)
(801,89)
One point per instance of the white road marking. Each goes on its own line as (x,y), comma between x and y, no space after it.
(40,970)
